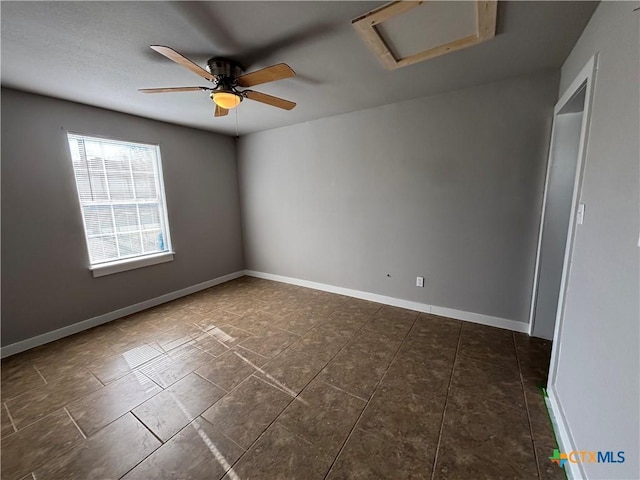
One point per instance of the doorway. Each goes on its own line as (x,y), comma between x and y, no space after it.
(561,210)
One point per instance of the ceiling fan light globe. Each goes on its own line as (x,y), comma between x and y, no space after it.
(226,100)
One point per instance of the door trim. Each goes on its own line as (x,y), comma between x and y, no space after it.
(586,78)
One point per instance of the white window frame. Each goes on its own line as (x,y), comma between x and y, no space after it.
(145,260)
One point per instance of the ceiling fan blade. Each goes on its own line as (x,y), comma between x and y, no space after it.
(220,112)
(269,74)
(171,54)
(269,99)
(172,89)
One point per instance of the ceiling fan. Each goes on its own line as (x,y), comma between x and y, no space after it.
(226,76)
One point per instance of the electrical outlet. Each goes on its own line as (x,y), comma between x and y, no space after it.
(419,281)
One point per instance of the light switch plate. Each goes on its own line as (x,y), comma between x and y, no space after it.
(580,214)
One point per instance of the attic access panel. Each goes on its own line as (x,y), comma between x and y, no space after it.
(406,32)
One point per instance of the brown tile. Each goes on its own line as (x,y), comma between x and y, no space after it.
(534,356)
(104,455)
(279,454)
(37,444)
(168,412)
(492,345)
(381,344)
(428,351)
(360,307)
(227,335)
(119,365)
(419,376)
(35,404)
(390,326)
(122,341)
(532,346)
(210,344)
(536,405)
(471,438)
(433,338)
(247,411)
(369,456)
(5,422)
(138,322)
(322,343)
(481,381)
(105,405)
(178,363)
(270,343)
(298,323)
(174,317)
(215,318)
(291,370)
(345,323)
(231,368)
(436,326)
(255,321)
(545,442)
(318,309)
(357,370)
(18,377)
(412,421)
(202,306)
(69,359)
(198,452)
(243,307)
(397,313)
(323,415)
(176,336)
(283,307)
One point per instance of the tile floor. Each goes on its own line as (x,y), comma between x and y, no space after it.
(261,380)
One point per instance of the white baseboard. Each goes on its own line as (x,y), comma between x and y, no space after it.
(108,317)
(574,471)
(398,302)
(373,297)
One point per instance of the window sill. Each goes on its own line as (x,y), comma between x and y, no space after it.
(130,264)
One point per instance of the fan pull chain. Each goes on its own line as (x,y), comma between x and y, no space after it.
(236,110)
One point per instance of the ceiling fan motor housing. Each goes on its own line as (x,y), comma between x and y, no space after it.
(225,70)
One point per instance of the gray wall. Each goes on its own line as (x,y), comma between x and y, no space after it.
(448,187)
(46,283)
(598,367)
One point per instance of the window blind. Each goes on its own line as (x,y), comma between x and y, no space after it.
(121,197)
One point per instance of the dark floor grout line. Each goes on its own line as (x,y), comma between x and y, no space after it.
(351,338)
(368,402)
(343,391)
(275,384)
(74,422)
(482,361)
(446,403)
(217,430)
(40,373)
(294,399)
(152,380)
(13,424)
(101,382)
(150,453)
(526,405)
(209,381)
(48,414)
(151,431)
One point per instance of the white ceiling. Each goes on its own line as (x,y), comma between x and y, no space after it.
(98,53)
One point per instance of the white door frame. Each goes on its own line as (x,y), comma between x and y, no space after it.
(585,78)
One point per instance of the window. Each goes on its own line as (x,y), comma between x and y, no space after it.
(122,201)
